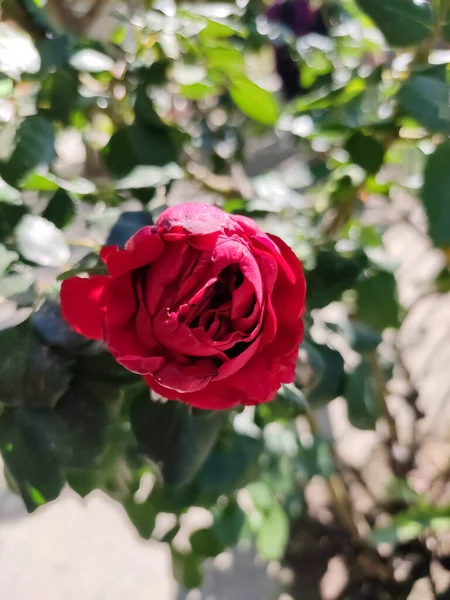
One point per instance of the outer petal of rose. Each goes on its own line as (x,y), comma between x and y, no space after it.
(289,304)
(256,383)
(142,249)
(248,225)
(117,261)
(195,218)
(214,397)
(83,304)
(162,273)
(186,378)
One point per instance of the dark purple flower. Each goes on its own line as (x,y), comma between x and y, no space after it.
(297,15)
(301,19)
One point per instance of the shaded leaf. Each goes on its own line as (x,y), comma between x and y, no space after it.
(35,147)
(377,302)
(328,375)
(7,257)
(127,225)
(365,151)
(231,465)
(332,275)
(403,22)
(39,241)
(60,210)
(137,145)
(30,444)
(174,437)
(186,569)
(54,329)
(31,373)
(142,515)
(205,542)
(436,195)
(363,401)
(426,99)
(18,287)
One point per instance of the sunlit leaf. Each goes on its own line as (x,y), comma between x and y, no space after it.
(256,102)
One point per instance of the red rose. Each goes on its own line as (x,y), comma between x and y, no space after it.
(204,305)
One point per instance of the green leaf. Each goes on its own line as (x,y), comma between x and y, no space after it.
(54,52)
(363,400)
(402,22)
(18,287)
(60,210)
(445,22)
(7,257)
(262,495)
(91,61)
(31,373)
(137,145)
(63,95)
(39,241)
(365,151)
(377,301)
(42,449)
(187,569)
(128,223)
(30,447)
(35,146)
(142,515)
(54,329)
(254,101)
(10,215)
(145,110)
(289,403)
(411,523)
(51,183)
(217,29)
(226,59)
(224,532)
(332,275)
(205,542)
(229,523)
(328,374)
(436,195)
(149,177)
(273,534)
(174,436)
(198,91)
(231,465)
(426,99)
(317,459)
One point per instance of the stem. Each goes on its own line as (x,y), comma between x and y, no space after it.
(336,486)
(380,384)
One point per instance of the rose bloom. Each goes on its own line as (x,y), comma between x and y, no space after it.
(204,305)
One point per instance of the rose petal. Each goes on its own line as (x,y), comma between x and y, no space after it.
(213,397)
(83,304)
(196,219)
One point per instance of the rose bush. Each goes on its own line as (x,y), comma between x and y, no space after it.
(203,304)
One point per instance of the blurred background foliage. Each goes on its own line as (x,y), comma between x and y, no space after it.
(110,112)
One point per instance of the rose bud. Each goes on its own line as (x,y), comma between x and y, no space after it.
(203,304)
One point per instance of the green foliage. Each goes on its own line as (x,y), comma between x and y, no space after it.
(365,151)
(436,195)
(403,22)
(98,136)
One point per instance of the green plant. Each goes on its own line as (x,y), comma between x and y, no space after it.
(175,101)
